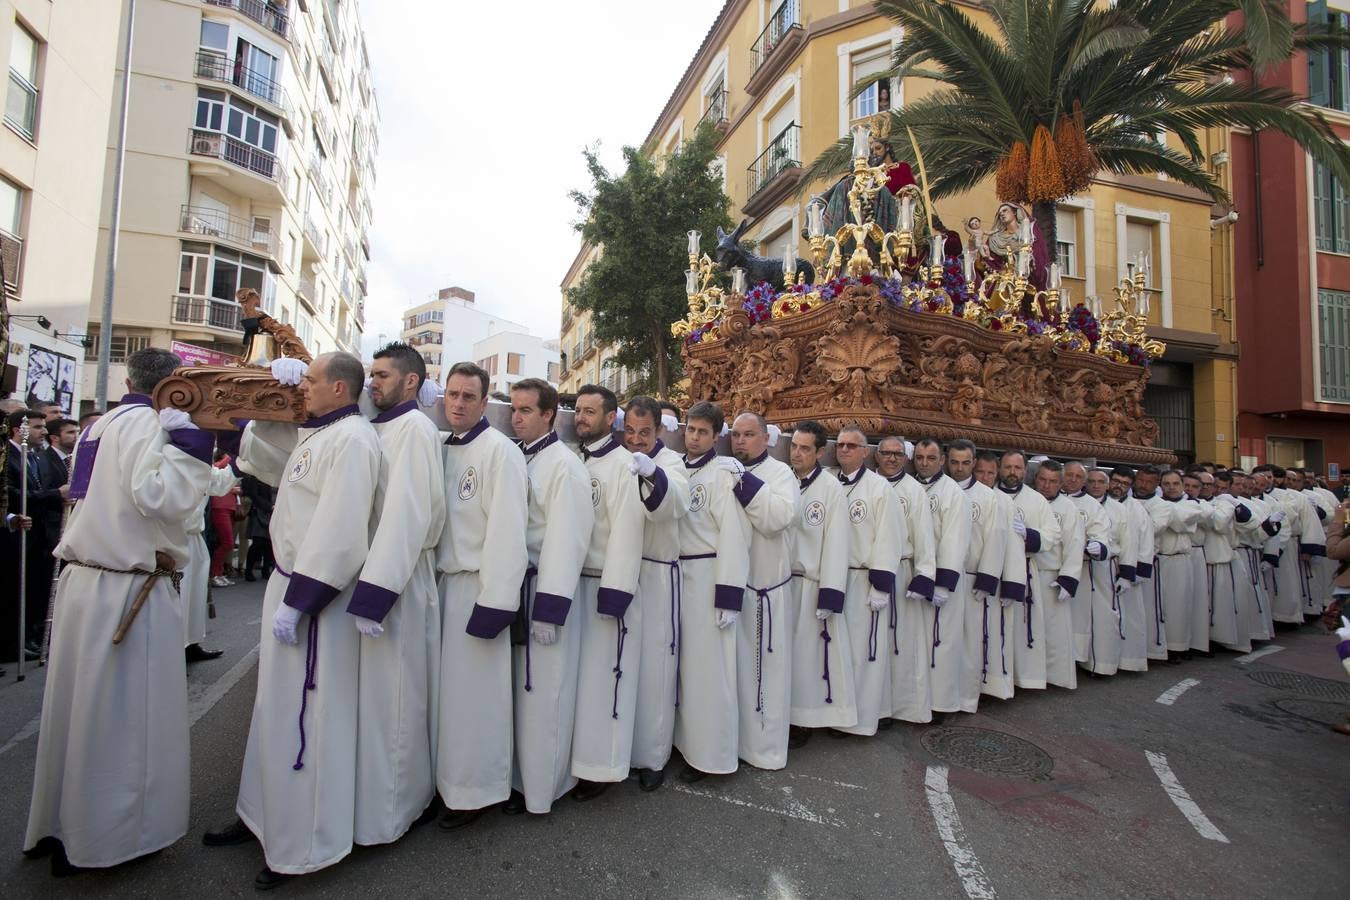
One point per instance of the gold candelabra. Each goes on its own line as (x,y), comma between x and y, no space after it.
(1128,322)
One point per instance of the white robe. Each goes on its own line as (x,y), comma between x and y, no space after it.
(876,524)
(297,792)
(111,777)
(1228,621)
(1096,609)
(770,495)
(1174,588)
(985,628)
(715,562)
(482,559)
(1041,550)
(1312,544)
(1012,593)
(951,528)
(1286,580)
(1063,570)
(602,742)
(1321,569)
(1202,607)
(1135,567)
(665,500)
(195,589)
(1252,533)
(558,535)
(909,651)
(400,669)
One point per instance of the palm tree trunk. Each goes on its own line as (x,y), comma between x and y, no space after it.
(662,372)
(1044,214)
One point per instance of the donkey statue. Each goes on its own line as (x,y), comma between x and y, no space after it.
(730,253)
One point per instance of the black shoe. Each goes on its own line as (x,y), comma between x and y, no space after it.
(249,576)
(838,734)
(1207,654)
(196,653)
(62,866)
(459,818)
(232,834)
(589,790)
(1173,658)
(428,815)
(651,779)
(267,879)
(691,775)
(43,848)
(515,804)
(884,724)
(798,736)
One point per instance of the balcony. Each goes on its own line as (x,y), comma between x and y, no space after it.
(213,223)
(719,102)
(308,293)
(11,257)
(775,47)
(218,67)
(566,318)
(207,311)
(328,71)
(271,16)
(321,183)
(774,175)
(254,160)
(315,247)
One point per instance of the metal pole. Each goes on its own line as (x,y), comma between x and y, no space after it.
(23,541)
(105,322)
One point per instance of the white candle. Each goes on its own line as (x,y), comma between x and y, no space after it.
(693,243)
(789,263)
(815,219)
(906,213)
(937,250)
(737,280)
(1065,299)
(691,282)
(1095,305)
(968,265)
(1054,281)
(1024,263)
(860,141)
(1026,230)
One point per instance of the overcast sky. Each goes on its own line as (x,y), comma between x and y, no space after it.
(485,111)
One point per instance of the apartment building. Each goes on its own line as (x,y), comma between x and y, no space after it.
(448,327)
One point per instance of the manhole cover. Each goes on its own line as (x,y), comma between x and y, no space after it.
(1324,712)
(992,752)
(1304,684)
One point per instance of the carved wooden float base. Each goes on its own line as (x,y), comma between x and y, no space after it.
(217,396)
(859,360)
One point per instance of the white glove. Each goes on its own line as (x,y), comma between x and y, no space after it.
(1122,585)
(430,393)
(618,419)
(544,633)
(823,614)
(642,464)
(669,423)
(283,624)
(1020,528)
(979,596)
(732,465)
(1005,601)
(726,430)
(289,371)
(1278,515)
(1095,549)
(915,595)
(940,597)
(1064,595)
(1226,498)
(726,618)
(1267,566)
(368,627)
(774,434)
(878,599)
(171,419)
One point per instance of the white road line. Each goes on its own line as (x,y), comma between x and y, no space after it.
(795,811)
(968,868)
(1257,654)
(221,686)
(795,775)
(23,734)
(1169,696)
(1183,800)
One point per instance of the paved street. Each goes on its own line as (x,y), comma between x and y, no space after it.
(1235,787)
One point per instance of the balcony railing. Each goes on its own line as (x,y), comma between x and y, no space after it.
(11,255)
(235,151)
(208,311)
(271,16)
(781,24)
(784,152)
(315,237)
(214,223)
(327,66)
(218,67)
(307,293)
(716,113)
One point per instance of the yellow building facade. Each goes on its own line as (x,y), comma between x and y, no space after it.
(774,78)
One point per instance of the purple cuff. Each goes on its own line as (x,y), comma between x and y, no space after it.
(1033,541)
(947,579)
(1014,591)
(309,595)
(486,622)
(747,488)
(921,584)
(728,596)
(1242,513)
(1312,549)
(1145,570)
(1271,558)
(194,442)
(550,608)
(831,599)
(1270,528)
(1128,573)
(370,601)
(658,490)
(1106,551)
(1321,513)
(882,580)
(1069,584)
(985,582)
(1343,649)
(611,602)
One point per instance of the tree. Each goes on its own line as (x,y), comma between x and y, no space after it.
(1063,89)
(639,220)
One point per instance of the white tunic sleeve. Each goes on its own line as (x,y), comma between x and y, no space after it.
(505,555)
(665,496)
(623,553)
(923,538)
(567,537)
(264,450)
(170,472)
(993,552)
(834,553)
(951,522)
(770,504)
(889,537)
(1073,539)
(732,565)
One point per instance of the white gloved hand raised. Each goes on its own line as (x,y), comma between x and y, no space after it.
(283,624)
(774,434)
(1064,595)
(878,599)
(940,597)
(171,419)
(823,614)
(430,393)
(1226,498)
(726,618)
(1020,528)
(1278,515)
(669,423)
(289,371)
(642,464)
(1095,549)
(1343,633)
(732,465)
(368,627)
(1005,600)
(1122,585)
(544,633)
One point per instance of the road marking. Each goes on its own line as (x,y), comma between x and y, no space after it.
(221,686)
(842,784)
(1183,800)
(968,868)
(1169,696)
(795,808)
(24,734)
(1257,654)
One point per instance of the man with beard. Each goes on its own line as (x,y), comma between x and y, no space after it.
(1286,589)
(1063,568)
(1034,524)
(1095,599)
(1146,493)
(1136,550)
(1174,523)
(951,596)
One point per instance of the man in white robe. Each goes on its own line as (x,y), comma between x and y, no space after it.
(1174,521)
(611,622)
(482,559)
(1202,607)
(297,791)
(1286,579)
(1063,569)
(664,489)
(1136,551)
(548,638)
(952,590)
(111,778)
(1252,534)
(770,495)
(1322,570)
(1229,579)
(1097,641)
(876,523)
(1035,525)
(1312,549)
(715,564)
(197,572)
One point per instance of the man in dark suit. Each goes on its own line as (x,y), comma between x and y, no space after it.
(45,494)
(62,435)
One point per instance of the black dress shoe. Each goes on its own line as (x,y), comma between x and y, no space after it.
(651,779)
(196,653)
(428,815)
(459,818)
(797,737)
(1207,654)
(232,834)
(267,879)
(884,724)
(690,775)
(62,867)
(43,848)
(589,790)
(515,804)
(250,577)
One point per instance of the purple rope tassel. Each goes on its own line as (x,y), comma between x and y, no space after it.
(618,664)
(1211,596)
(525,605)
(937,637)
(676,596)
(1003,639)
(1031,598)
(984,640)
(895,624)
(1159,621)
(311,664)
(872,638)
(825,637)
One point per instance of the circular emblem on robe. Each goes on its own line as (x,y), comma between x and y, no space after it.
(698,497)
(974,512)
(933,504)
(815,513)
(595,492)
(1059,520)
(904,503)
(857,511)
(301,467)
(468,483)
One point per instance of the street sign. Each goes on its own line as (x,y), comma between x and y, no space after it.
(192,355)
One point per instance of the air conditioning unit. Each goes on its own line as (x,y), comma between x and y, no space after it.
(206,146)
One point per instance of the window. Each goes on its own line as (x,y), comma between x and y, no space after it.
(252,126)
(1139,239)
(1066,241)
(285,315)
(489,364)
(1331,211)
(877,97)
(1329,70)
(257,71)
(21,103)
(210,109)
(120,346)
(1333,315)
(11,208)
(215,35)
(206,271)
(513,362)
(305,331)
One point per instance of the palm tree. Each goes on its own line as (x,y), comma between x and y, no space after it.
(1063,89)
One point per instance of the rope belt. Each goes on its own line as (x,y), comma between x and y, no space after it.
(676,593)
(525,593)
(1158,620)
(175,576)
(762,606)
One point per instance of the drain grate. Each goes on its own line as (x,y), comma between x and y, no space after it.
(991,752)
(1324,712)
(1304,684)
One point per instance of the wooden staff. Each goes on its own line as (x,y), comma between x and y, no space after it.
(163,566)
(23,540)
